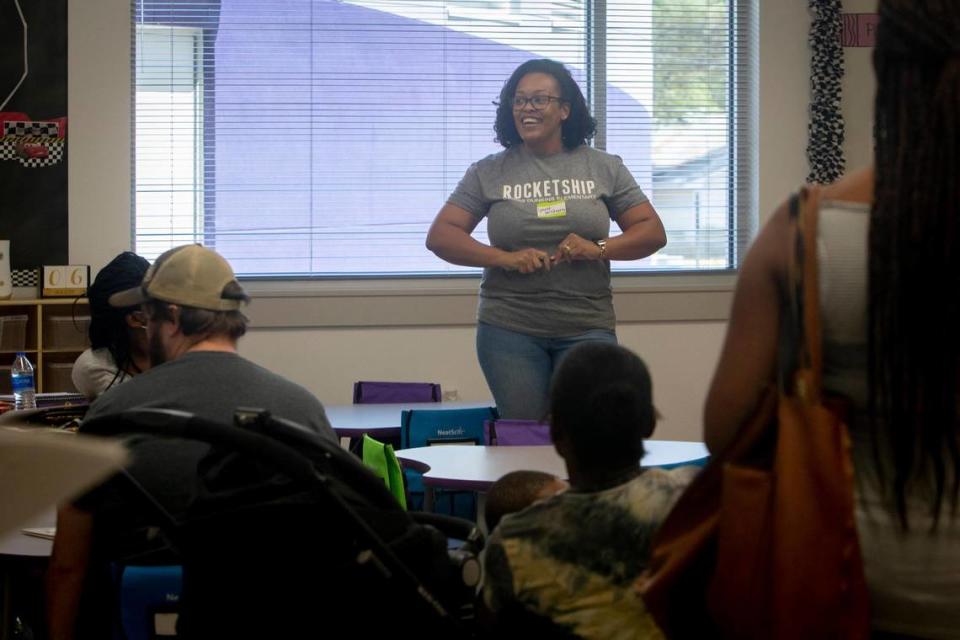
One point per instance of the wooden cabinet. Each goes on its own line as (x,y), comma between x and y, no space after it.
(54,333)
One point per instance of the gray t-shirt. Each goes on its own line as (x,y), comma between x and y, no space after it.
(210,384)
(534,202)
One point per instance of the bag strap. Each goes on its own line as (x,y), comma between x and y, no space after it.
(805,295)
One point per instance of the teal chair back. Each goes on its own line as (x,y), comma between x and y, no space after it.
(149,600)
(699,462)
(428,427)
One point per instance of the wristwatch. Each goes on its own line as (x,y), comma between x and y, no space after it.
(603,248)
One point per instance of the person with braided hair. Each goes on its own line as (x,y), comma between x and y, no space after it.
(118,339)
(889,262)
(567,562)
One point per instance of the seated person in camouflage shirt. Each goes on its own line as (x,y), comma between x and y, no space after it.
(572,558)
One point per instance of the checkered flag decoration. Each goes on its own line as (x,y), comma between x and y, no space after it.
(25,277)
(32,143)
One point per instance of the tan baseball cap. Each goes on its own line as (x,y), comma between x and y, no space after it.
(191,275)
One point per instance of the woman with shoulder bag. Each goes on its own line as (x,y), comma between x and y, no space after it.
(888,252)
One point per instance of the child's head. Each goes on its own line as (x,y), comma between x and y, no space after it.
(516,491)
(601,406)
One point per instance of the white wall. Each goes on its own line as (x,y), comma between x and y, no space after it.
(681,355)
(98,105)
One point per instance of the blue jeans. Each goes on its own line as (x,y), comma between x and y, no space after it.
(518,367)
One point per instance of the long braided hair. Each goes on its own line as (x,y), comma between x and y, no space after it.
(108,325)
(914,265)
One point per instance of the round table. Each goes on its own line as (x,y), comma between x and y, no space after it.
(468,468)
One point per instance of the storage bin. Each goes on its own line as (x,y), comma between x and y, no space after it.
(66,332)
(13,333)
(56,377)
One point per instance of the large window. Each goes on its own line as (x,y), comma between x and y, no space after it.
(320,137)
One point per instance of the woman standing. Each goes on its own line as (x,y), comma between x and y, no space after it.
(548,199)
(889,273)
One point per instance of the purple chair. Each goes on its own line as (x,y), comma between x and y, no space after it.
(506,433)
(366,392)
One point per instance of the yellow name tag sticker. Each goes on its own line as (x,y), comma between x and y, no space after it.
(552,209)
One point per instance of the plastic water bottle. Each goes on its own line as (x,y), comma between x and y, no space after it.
(24,387)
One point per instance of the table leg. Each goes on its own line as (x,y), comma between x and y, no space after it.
(428,498)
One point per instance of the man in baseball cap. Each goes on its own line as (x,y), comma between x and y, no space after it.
(191,275)
(191,299)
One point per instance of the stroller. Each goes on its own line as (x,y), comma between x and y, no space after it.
(290,536)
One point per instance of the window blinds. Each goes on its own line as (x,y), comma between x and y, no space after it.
(321,137)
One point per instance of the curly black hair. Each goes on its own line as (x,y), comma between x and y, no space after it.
(577,128)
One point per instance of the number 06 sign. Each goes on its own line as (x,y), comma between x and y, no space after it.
(65,280)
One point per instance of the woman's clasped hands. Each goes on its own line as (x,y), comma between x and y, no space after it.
(531,260)
(527,260)
(574,247)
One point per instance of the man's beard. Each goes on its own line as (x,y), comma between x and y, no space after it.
(158,355)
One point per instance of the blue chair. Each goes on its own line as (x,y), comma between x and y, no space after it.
(149,601)
(428,427)
(511,433)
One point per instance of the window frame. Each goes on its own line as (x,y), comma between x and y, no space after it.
(742,220)
(451,301)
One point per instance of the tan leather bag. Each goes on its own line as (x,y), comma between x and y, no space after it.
(763,544)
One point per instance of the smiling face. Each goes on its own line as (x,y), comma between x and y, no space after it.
(540,128)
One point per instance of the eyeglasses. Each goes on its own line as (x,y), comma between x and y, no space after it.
(538,102)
